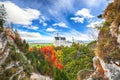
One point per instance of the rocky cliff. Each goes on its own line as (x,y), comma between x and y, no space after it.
(107,60)
(14,64)
(107,52)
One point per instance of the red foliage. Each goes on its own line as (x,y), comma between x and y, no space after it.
(51,55)
(59,66)
(31,49)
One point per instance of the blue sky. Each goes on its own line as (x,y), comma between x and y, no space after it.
(38,20)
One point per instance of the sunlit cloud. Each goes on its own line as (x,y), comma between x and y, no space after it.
(51,29)
(95,24)
(77,19)
(18,15)
(61,24)
(33,36)
(82,14)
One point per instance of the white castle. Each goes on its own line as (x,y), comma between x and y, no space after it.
(61,41)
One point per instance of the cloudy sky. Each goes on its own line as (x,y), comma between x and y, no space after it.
(41,19)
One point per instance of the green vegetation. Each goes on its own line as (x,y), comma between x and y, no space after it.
(40,45)
(76,58)
(44,66)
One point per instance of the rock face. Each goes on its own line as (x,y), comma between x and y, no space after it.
(13,62)
(107,53)
(12,66)
(107,60)
(84,74)
(37,76)
(112,71)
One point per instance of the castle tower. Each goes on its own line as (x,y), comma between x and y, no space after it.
(58,40)
(73,39)
(57,34)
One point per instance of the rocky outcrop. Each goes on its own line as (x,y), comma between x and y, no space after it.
(11,68)
(107,52)
(84,74)
(112,70)
(14,64)
(37,76)
(108,45)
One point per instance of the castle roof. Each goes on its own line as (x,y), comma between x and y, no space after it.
(60,38)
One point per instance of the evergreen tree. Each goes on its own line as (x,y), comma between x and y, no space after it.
(2,16)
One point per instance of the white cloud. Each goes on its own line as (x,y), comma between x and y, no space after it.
(34,27)
(93,33)
(26,35)
(84,13)
(19,15)
(59,7)
(95,24)
(77,19)
(64,5)
(95,3)
(51,30)
(34,36)
(77,35)
(45,24)
(37,37)
(110,1)
(61,24)
(42,20)
(31,27)
(93,28)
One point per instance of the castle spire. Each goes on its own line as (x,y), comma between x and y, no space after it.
(57,34)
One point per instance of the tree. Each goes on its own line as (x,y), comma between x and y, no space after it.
(75,58)
(52,56)
(60,75)
(2,16)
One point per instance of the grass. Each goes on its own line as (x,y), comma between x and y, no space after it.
(38,45)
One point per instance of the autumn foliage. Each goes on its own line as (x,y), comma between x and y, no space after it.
(51,55)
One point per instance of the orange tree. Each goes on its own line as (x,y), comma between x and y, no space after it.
(46,61)
(52,56)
